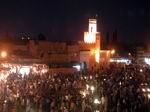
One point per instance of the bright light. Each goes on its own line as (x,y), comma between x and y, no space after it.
(87,86)
(142,84)
(44,71)
(78,67)
(141,70)
(3,54)
(34,69)
(120,60)
(90,36)
(97,56)
(120,83)
(92,89)
(148,96)
(91,77)
(113,51)
(24,70)
(96,101)
(108,52)
(143,90)
(147,61)
(148,89)
(5,101)
(92,25)
(92,52)
(2,76)
(129,54)
(84,94)
(13,70)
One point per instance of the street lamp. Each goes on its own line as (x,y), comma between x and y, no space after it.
(113,52)
(3,54)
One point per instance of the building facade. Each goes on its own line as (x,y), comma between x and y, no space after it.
(87,51)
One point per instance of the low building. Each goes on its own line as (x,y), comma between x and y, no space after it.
(86,52)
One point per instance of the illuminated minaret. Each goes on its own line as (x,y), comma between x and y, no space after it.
(92,25)
(90,36)
(93,37)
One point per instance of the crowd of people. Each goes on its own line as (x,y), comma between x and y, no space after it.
(111,88)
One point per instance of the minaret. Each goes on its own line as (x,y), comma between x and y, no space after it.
(90,36)
(92,25)
(93,37)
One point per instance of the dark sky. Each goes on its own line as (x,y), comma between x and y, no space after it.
(68,19)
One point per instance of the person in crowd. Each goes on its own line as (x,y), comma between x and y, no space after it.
(119,89)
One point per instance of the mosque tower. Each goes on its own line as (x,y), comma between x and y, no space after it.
(90,36)
(93,37)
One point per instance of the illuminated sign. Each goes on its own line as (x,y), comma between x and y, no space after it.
(120,60)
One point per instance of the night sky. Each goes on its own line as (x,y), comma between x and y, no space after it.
(68,19)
